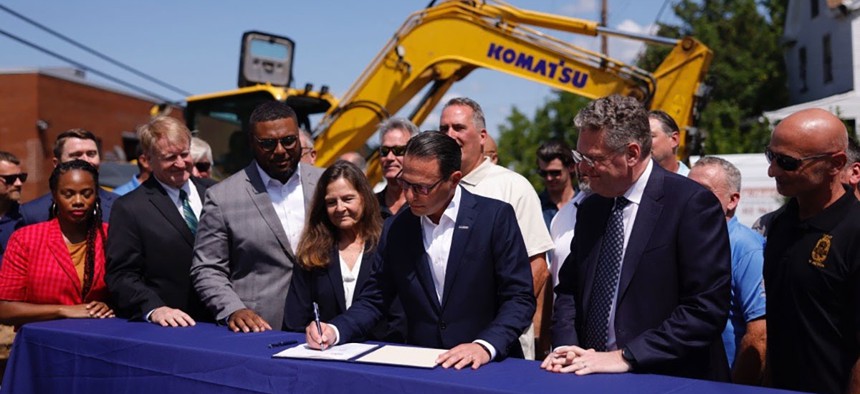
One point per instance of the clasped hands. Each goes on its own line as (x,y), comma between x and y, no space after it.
(567,359)
(461,356)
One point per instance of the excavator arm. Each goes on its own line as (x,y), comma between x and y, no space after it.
(440,45)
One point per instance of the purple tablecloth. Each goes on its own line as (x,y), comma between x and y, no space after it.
(113,355)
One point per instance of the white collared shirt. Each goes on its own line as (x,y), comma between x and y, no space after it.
(437,241)
(193,197)
(349,277)
(628,217)
(288,199)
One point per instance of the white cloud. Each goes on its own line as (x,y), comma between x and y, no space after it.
(633,27)
(578,7)
(627,50)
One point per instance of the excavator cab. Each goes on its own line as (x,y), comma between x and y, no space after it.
(265,73)
(266,59)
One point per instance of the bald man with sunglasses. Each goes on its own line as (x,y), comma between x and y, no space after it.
(812,259)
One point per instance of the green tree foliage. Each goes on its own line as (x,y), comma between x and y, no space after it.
(747,73)
(520,136)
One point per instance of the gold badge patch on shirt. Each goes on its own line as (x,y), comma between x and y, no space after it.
(820,251)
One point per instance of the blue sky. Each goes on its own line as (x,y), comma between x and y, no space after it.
(195,44)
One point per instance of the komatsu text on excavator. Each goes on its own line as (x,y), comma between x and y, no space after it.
(435,48)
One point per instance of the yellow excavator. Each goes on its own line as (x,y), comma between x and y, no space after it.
(436,47)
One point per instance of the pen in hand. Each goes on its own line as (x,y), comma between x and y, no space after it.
(282,343)
(319,325)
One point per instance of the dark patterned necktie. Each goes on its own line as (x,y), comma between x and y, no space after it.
(605,280)
(187,212)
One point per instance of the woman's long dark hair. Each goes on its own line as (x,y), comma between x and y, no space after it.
(94,223)
(320,235)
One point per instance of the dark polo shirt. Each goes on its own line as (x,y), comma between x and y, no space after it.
(812,285)
(383,209)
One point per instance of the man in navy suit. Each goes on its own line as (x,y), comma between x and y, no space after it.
(74,144)
(456,260)
(646,286)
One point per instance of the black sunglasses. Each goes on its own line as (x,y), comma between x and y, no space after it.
(270,144)
(552,173)
(398,150)
(789,163)
(10,179)
(202,166)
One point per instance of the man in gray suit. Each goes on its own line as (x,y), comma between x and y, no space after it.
(251,224)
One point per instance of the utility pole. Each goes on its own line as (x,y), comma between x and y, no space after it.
(604,40)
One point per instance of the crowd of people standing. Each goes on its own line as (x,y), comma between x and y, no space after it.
(628,261)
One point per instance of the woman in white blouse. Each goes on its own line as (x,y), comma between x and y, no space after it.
(336,251)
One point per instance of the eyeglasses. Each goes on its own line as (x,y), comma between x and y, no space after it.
(398,150)
(582,158)
(270,144)
(203,166)
(789,163)
(552,173)
(10,179)
(306,150)
(416,188)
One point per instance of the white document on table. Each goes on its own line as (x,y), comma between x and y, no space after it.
(405,356)
(344,352)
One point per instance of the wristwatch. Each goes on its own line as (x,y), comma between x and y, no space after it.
(627,356)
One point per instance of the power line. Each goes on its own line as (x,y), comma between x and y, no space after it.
(83,67)
(660,13)
(97,53)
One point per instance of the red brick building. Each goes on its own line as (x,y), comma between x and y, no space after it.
(37,105)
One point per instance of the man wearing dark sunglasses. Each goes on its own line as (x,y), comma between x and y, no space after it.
(456,261)
(251,224)
(201,156)
(11,180)
(811,260)
(555,166)
(394,133)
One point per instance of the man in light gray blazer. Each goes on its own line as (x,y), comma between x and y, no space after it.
(250,226)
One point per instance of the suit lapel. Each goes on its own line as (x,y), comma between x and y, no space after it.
(647,216)
(416,253)
(336,280)
(309,185)
(60,251)
(602,211)
(363,271)
(260,197)
(462,230)
(159,198)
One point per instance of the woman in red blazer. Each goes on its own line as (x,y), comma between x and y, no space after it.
(55,269)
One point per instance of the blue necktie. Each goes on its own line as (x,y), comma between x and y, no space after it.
(187,212)
(605,280)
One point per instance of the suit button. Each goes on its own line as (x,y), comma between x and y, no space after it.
(442,325)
